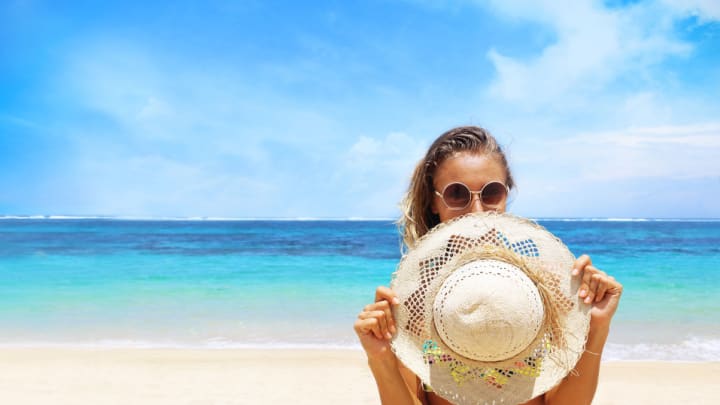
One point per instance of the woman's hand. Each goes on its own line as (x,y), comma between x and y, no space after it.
(603,293)
(375,325)
(599,289)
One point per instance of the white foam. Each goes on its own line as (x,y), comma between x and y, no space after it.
(691,349)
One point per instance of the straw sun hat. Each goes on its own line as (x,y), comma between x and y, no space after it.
(488,310)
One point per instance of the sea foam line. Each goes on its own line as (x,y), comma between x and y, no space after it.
(693,349)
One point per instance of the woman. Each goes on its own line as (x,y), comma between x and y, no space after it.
(464,171)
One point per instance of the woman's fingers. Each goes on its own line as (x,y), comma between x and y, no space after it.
(377,318)
(590,292)
(365,326)
(389,317)
(594,283)
(603,284)
(383,321)
(580,264)
(387,296)
(587,274)
(385,293)
(384,326)
(370,324)
(597,280)
(579,267)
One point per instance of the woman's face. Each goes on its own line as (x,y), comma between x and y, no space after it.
(474,170)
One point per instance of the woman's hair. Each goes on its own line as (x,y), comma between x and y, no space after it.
(417,216)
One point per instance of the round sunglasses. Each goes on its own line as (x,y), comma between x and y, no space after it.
(457,196)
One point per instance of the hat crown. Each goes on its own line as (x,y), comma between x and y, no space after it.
(488,310)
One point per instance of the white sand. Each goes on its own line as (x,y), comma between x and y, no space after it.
(224,377)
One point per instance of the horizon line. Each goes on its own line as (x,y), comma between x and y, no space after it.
(329,219)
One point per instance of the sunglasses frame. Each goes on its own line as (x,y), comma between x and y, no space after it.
(472,195)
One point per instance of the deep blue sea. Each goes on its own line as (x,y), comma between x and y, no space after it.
(245,283)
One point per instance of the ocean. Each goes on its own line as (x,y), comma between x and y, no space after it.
(103,282)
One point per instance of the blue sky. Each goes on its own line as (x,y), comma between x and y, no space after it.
(321,109)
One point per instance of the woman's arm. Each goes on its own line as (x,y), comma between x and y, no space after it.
(603,292)
(374,327)
(392,385)
(580,385)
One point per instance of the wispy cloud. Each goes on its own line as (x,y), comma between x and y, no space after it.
(706,10)
(18,121)
(183,140)
(667,152)
(158,185)
(375,171)
(666,171)
(594,46)
(689,136)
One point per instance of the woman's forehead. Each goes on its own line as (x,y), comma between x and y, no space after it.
(469,167)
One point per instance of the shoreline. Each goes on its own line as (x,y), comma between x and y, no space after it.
(691,350)
(201,218)
(34,375)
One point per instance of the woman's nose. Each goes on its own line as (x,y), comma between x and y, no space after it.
(476,204)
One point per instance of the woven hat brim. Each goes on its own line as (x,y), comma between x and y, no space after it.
(465,381)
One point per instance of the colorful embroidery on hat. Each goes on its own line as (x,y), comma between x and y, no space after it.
(530,366)
(523,247)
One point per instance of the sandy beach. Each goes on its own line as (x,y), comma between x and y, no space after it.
(242,376)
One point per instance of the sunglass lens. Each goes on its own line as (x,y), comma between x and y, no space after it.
(456,195)
(494,193)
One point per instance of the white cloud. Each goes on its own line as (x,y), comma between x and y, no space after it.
(188,141)
(375,172)
(154,108)
(663,152)
(594,46)
(152,185)
(154,97)
(660,171)
(705,10)
(690,136)
(396,150)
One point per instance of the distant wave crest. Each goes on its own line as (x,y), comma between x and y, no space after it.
(691,349)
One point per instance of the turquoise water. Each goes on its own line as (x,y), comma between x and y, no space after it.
(301,283)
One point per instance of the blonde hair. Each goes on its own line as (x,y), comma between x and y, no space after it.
(416,206)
